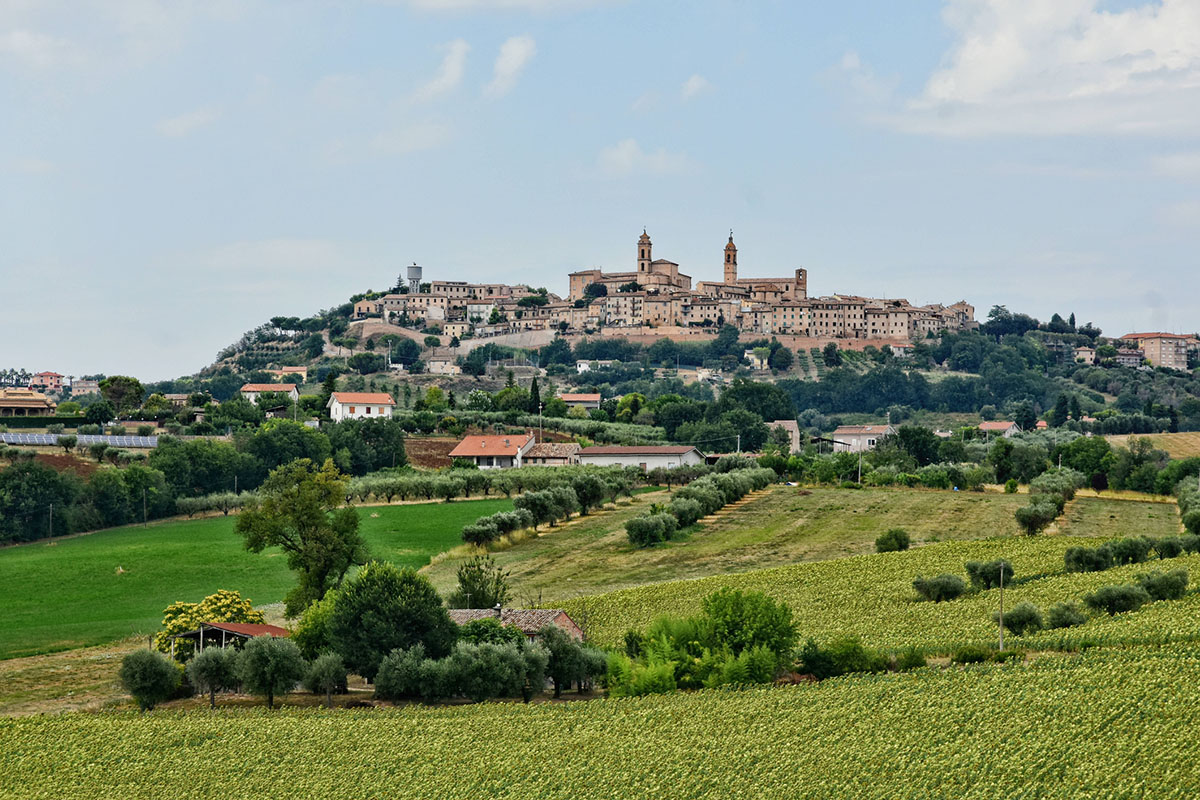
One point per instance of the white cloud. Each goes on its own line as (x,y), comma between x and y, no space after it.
(646,101)
(515,53)
(34,49)
(695,85)
(411,139)
(450,73)
(627,157)
(185,123)
(1050,67)
(1178,165)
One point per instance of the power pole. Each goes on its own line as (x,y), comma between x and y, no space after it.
(144,517)
(51,519)
(739,443)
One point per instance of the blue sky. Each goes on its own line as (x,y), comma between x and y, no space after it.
(172,174)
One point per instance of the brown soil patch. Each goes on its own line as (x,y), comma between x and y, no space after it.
(429,453)
(69,463)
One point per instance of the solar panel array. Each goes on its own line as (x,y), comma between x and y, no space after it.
(51,439)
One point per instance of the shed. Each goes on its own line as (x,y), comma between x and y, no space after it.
(210,633)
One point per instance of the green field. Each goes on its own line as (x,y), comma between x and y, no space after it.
(1101,517)
(111,584)
(784,526)
(1105,724)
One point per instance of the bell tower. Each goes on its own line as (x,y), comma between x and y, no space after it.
(643,261)
(731,261)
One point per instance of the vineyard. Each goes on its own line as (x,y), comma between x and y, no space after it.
(1107,723)
(872,596)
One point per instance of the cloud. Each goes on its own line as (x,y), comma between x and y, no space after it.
(1177,165)
(694,86)
(515,53)
(627,157)
(411,139)
(1061,67)
(34,49)
(33,166)
(184,124)
(450,73)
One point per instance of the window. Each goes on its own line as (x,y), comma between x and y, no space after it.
(351,409)
(368,409)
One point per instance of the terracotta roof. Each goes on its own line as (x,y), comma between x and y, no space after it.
(638,450)
(286,388)
(576,397)
(998,425)
(1156,335)
(527,620)
(48,375)
(249,628)
(845,429)
(25,398)
(553,450)
(490,445)
(366,398)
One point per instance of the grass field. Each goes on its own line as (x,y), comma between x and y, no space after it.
(1177,445)
(1104,724)
(1101,517)
(784,526)
(112,584)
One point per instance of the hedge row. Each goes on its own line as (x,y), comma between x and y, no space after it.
(1132,550)
(698,499)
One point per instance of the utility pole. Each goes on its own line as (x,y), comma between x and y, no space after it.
(1001,604)
(739,443)
(51,519)
(541,436)
(144,517)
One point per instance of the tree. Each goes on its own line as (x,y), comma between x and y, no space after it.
(831,355)
(366,363)
(222,606)
(125,393)
(920,443)
(481,584)
(34,499)
(149,676)
(325,674)
(594,290)
(67,443)
(299,509)
(535,397)
(566,657)
(282,441)
(212,671)
(1024,416)
(99,413)
(383,608)
(1060,413)
(590,490)
(781,359)
(270,666)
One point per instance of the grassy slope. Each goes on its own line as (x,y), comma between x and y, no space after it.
(68,593)
(1101,517)
(1099,725)
(781,527)
(1177,445)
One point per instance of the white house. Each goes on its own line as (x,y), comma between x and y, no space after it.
(251,391)
(588,400)
(999,428)
(494,452)
(859,438)
(442,366)
(360,405)
(587,366)
(644,456)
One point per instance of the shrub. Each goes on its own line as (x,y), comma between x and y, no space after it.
(941,587)
(1010,486)
(651,529)
(326,674)
(909,658)
(1164,585)
(892,541)
(1064,615)
(489,631)
(629,679)
(1088,559)
(987,574)
(1001,656)
(401,675)
(1133,550)
(1117,599)
(150,677)
(744,620)
(1190,542)
(972,654)
(686,511)
(270,666)
(1041,511)
(480,532)
(212,671)
(145,430)
(1022,618)
(1168,546)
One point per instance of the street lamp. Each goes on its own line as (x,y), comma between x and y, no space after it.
(541,435)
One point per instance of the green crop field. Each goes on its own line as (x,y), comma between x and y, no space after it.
(111,584)
(872,596)
(784,526)
(1104,724)
(1102,517)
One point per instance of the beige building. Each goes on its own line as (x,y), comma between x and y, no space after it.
(25,403)
(859,438)
(1168,350)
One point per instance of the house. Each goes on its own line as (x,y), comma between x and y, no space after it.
(1000,428)
(901,350)
(529,621)
(82,387)
(583,400)
(494,452)
(25,403)
(283,372)
(646,457)
(793,432)
(366,308)
(442,366)
(1085,355)
(360,405)
(553,454)
(859,438)
(251,391)
(47,382)
(1042,425)
(177,400)
(588,366)
(756,362)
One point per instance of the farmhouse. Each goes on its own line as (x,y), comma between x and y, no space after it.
(251,391)
(529,621)
(644,456)
(1000,428)
(588,400)
(494,452)
(553,454)
(795,443)
(25,403)
(223,634)
(859,438)
(360,405)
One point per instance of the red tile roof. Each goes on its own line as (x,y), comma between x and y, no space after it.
(580,397)
(285,388)
(1156,335)
(248,628)
(854,429)
(490,445)
(366,398)
(996,426)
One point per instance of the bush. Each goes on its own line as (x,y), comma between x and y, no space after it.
(988,574)
(1010,486)
(1190,542)
(941,587)
(1117,599)
(1164,585)
(326,674)
(145,430)
(1168,546)
(212,671)
(401,675)
(892,541)
(971,654)
(1022,618)
(1064,615)
(909,658)
(270,666)
(649,530)
(1088,559)
(150,677)
(744,620)
(1041,511)
(686,511)
(1133,550)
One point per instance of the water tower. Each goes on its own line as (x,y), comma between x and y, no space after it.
(414,279)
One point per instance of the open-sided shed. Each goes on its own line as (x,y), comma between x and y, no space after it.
(223,634)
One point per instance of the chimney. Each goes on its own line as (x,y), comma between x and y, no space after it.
(496,608)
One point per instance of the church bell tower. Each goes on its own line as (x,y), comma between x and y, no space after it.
(731,261)
(643,254)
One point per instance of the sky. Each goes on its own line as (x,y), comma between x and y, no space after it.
(173,174)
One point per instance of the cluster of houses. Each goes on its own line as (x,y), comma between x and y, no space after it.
(1155,349)
(657,295)
(505,451)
